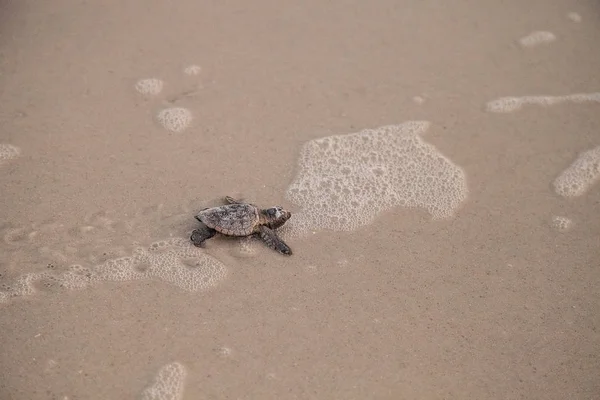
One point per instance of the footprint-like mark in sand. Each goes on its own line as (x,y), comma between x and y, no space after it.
(169,383)
(172,118)
(8,152)
(510,104)
(345,181)
(537,38)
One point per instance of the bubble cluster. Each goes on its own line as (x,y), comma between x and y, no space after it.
(175,261)
(8,152)
(580,175)
(224,351)
(537,38)
(510,104)
(151,86)
(192,70)
(345,181)
(174,119)
(169,383)
(561,223)
(180,263)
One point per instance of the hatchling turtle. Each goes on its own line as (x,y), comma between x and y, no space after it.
(242,219)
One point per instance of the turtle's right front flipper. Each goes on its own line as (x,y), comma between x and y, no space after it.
(273,241)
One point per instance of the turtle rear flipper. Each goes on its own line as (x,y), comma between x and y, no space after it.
(202,234)
(273,241)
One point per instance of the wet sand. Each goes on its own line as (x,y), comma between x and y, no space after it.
(102,297)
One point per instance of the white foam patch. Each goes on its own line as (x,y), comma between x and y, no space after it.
(9,152)
(169,383)
(175,119)
(536,38)
(573,16)
(580,175)
(561,223)
(510,104)
(192,70)
(345,181)
(175,261)
(151,86)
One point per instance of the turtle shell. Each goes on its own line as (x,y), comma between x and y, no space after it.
(231,219)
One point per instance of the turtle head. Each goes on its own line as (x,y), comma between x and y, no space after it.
(276,216)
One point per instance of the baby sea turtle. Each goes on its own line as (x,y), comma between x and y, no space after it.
(242,219)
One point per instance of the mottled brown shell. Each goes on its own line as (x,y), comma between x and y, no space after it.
(231,219)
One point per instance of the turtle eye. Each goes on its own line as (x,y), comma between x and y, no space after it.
(272,212)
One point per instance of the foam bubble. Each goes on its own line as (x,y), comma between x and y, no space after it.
(169,383)
(580,175)
(536,38)
(224,351)
(8,152)
(175,261)
(151,86)
(505,104)
(418,100)
(192,70)
(510,104)
(573,16)
(175,119)
(561,223)
(345,181)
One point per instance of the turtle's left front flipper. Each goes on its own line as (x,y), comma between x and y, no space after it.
(273,241)
(231,200)
(200,235)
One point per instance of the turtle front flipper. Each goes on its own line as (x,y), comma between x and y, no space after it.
(201,234)
(231,200)
(273,241)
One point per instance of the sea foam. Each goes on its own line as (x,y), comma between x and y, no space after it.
(510,104)
(576,179)
(346,181)
(150,86)
(537,38)
(8,152)
(174,119)
(175,261)
(168,384)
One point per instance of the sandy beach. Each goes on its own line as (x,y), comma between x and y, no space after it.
(441,163)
